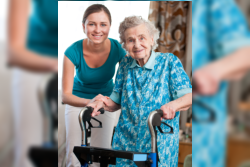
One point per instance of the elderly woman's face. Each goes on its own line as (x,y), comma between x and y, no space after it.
(138,42)
(97,26)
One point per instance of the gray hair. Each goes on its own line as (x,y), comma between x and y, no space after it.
(134,21)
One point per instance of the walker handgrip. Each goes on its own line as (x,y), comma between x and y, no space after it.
(160,112)
(101,110)
(156,121)
(91,109)
(203,105)
(171,128)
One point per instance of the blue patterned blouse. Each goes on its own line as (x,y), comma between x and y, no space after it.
(141,90)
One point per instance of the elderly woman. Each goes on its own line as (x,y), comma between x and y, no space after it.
(146,81)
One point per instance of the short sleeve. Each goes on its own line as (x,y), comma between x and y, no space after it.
(182,92)
(72,52)
(115,97)
(179,80)
(117,91)
(233,32)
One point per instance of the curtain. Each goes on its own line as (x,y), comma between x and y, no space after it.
(174,20)
(170,17)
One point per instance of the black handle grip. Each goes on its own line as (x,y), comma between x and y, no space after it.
(88,112)
(157,122)
(159,111)
(91,109)
(210,111)
(101,110)
(87,117)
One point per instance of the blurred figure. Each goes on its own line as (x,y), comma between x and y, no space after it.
(32,50)
(221,50)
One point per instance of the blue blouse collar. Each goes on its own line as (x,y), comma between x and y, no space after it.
(149,65)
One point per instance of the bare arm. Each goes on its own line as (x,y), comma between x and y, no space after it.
(18,54)
(111,106)
(231,67)
(67,85)
(181,104)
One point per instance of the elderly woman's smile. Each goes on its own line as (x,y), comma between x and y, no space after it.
(139,43)
(159,82)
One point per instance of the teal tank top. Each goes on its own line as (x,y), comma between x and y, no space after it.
(42,34)
(89,82)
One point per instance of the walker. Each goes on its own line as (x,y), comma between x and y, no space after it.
(47,154)
(87,154)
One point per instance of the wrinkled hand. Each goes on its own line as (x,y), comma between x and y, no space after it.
(96,105)
(100,98)
(206,82)
(168,111)
(98,102)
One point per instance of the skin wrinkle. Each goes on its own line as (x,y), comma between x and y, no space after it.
(179,100)
(123,137)
(139,39)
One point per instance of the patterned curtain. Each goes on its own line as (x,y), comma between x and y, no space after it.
(174,20)
(170,17)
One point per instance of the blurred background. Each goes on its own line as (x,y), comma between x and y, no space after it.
(174,21)
(238,121)
(6,129)
(220,76)
(28,93)
(239,94)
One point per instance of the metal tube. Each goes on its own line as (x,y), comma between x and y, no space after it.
(83,126)
(45,107)
(151,129)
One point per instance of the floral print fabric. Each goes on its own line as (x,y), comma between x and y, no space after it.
(142,91)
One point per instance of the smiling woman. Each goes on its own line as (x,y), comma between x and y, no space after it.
(96,26)
(138,38)
(70,17)
(94,59)
(146,81)
(139,43)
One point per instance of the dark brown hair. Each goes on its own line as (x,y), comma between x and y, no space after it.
(95,9)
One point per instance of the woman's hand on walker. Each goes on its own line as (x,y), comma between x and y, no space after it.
(102,98)
(96,105)
(206,81)
(168,111)
(94,99)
